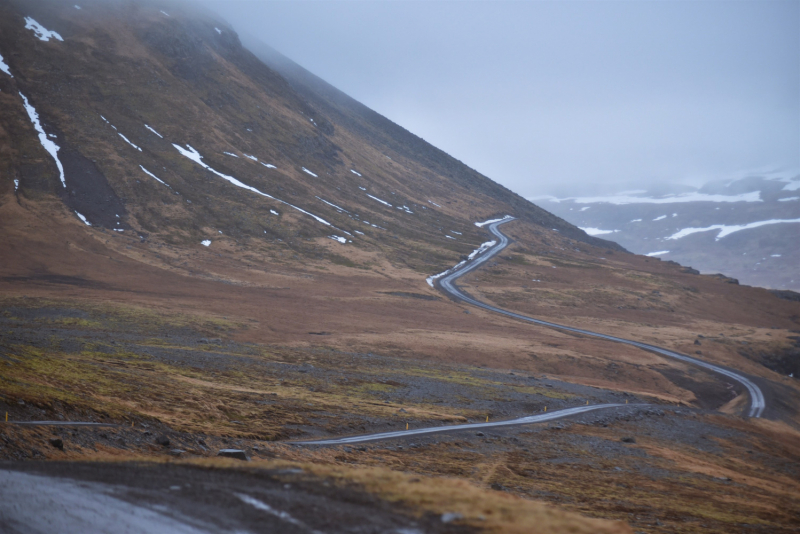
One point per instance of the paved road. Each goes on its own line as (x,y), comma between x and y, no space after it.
(447,284)
(558,414)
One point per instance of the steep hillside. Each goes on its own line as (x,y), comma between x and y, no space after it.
(168,127)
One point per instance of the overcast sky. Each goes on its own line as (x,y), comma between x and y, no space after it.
(562,97)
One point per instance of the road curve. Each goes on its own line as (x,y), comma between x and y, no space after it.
(558,414)
(447,284)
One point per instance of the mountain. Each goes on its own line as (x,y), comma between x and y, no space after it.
(745,228)
(210,255)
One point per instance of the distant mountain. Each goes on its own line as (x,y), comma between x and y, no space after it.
(748,228)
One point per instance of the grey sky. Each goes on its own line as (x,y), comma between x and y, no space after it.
(552,97)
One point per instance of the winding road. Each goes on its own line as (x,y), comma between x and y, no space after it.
(446,283)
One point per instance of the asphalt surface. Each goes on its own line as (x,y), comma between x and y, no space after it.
(558,414)
(447,284)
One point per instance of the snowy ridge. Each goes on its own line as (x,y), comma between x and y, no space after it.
(726,230)
(48,145)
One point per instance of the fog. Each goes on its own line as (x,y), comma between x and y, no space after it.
(569,97)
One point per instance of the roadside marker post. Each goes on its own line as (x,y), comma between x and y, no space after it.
(487,418)
(587,403)
(545,408)
(406,426)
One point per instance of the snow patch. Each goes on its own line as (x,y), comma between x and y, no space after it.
(636,220)
(342,240)
(274,212)
(435,204)
(490,221)
(354,172)
(268,165)
(788,199)
(48,145)
(659,253)
(155,132)
(775,255)
(205,242)
(150,174)
(81,217)
(42,33)
(230,154)
(379,200)
(164,13)
(726,230)
(195,156)
(248,156)
(77,6)
(16,185)
(331,204)
(359,233)
(4,67)
(660,217)
(792,186)
(218,31)
(448,237)
(596,231)
(584,208)
(309,172)
(128,141)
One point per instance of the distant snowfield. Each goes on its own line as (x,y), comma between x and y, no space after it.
(788,199)
(659,253)
(597,231)
(726,230)
(42,33)
(622,198)
(48,145)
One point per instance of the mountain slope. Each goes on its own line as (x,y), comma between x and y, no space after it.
(165,88)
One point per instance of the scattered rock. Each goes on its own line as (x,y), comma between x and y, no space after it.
(480,434)
(176,452)
(449,517)
(697,342)
(234,453)
(628,439)
(163,441)
(57,443)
